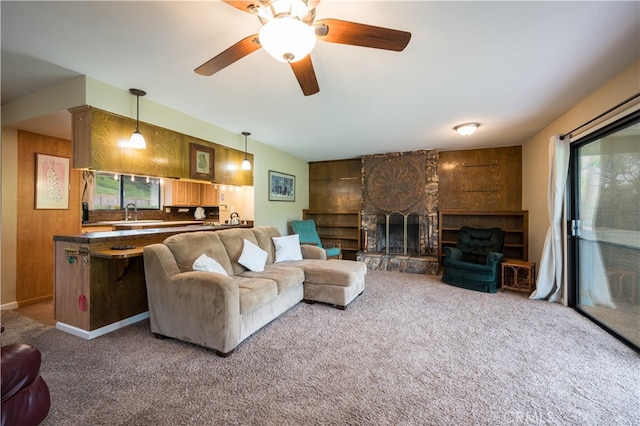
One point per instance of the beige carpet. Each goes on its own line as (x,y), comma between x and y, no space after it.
(409,351)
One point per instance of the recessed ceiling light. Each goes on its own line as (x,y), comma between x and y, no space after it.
(466,129)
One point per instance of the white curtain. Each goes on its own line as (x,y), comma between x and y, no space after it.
(549,284)
(594,282)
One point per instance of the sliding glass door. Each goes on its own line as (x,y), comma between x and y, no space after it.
(605,228)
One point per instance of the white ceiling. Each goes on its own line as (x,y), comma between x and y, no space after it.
(512,66)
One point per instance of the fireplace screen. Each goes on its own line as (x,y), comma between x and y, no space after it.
(398,234)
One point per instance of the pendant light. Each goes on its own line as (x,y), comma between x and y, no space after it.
(246,165)
(137,140)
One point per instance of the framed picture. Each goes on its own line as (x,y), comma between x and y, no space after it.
(52,182)
(201,162)
(282,187)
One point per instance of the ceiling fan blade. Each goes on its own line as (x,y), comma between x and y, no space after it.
(345,32)
(303,69)
(237,51)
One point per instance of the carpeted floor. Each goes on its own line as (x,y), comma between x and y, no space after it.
(409,351)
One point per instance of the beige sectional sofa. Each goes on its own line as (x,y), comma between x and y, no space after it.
(219,310)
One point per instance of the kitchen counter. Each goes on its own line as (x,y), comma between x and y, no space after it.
(99,276)
(124,235)
(141,224)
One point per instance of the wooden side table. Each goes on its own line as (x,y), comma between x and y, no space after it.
(518,275)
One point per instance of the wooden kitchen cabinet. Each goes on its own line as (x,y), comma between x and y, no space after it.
(180,193)
(194,194)
(208,195)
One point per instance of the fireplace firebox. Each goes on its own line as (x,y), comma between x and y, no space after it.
(398,234)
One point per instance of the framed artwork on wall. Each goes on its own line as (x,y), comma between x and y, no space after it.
(52,182)
(282,187)
(201,162)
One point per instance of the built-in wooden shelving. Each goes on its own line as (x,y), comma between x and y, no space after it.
(514,223)
(337,226)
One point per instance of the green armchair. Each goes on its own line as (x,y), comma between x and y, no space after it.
(308,234)
(476,261)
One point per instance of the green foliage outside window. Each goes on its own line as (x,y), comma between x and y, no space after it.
(114,193)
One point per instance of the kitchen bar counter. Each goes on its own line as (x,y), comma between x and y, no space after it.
(134,234)
(102,236)
(143,224)
(99,277)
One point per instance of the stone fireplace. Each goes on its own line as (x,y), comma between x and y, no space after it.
(399,211)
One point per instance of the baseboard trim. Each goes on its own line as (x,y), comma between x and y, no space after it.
(88,335)
(9,306)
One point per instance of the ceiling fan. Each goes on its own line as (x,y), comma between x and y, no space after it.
(289,34)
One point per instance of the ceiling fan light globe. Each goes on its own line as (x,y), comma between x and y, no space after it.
(287,39)
(137,141)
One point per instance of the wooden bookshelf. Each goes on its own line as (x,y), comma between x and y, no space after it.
(337,226)
(514,223)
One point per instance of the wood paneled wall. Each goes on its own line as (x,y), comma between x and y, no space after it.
(96,138)
(335,185)
(36,228)
(481,179)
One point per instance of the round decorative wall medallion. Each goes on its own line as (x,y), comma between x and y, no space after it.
(394,184)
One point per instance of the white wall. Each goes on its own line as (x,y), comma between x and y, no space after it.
(279,213)
(8,232)
(535,152)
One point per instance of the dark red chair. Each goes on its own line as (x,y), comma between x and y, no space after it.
(25,395)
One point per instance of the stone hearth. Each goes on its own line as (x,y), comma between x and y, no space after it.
(399,263)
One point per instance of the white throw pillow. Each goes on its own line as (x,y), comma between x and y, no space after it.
(287,248)
(253,257)
(208,264)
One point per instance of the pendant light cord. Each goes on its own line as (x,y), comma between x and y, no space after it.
(245,143)
(138,113)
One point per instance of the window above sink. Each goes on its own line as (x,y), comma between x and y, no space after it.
(113,191)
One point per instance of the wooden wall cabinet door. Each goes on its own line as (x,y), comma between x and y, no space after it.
(208,195)
(180,193)
(193,194)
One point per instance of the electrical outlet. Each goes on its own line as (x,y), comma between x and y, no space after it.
(221,197)
(167,209)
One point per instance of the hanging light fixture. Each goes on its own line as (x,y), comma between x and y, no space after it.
(137,140)
(466,129)
(246,165)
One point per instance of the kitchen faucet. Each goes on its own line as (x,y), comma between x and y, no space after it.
(126,211)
